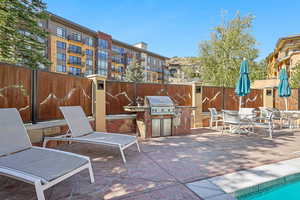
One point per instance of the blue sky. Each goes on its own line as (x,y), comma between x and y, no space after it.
(175,28)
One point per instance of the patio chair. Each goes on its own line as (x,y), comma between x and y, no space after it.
(214,117)
(41,167)
(233,119)
(81,131)
(265,113)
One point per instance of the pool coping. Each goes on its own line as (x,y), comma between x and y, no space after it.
(243,182)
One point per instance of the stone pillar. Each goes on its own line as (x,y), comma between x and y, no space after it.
(99,103)
(268,97)
(197,102)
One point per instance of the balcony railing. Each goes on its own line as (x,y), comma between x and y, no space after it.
(73,38)
(76,63)
(76,52)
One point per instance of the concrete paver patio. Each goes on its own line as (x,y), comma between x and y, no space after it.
(164,166)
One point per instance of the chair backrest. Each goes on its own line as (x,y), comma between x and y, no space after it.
(213,113)
(276,112)
(265,112)
(77,121)
(230,117)
(247,112)
(13,135)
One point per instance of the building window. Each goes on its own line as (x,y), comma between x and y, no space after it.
(89,41)
(61,32)
(76,36)
(74,60)
(89,52)
(103,43)
(61,56)
(74,49)
(120,69)
(61,68)
(75,71)
(60,45)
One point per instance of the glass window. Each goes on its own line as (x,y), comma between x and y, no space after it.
(61,56)
(61,68)
(75,60)
(103,43)
(89,62)
(75,71)
(89,52)
(89,41)
(76,36)
(61,32)
(61,45)
(75,49)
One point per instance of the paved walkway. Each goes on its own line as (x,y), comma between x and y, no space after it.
(164,166)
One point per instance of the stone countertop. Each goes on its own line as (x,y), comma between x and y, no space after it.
(49,124)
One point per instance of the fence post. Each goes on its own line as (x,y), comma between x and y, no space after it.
(34,87)
(99,102)
(197,121)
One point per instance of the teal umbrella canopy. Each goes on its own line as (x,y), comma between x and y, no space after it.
(284,89)
(243,83)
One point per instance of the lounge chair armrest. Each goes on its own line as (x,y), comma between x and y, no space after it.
(20,175)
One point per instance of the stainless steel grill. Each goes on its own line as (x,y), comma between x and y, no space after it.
(160,105)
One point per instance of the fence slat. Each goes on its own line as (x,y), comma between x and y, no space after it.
(15,89)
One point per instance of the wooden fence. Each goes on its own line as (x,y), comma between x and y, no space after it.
(15,89)
(225,98)
(293,100)
(120,94)
(38,94)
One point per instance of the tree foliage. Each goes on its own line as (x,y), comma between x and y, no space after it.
(135,72)
(22,40)
(295,76)
(221,56)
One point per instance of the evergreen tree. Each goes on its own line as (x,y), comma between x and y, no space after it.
(221,56)
(22,40)
(135,72)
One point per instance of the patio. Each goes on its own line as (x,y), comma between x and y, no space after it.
(164,166)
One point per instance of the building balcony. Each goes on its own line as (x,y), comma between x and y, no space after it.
(71,37)
(76,52)
(82,64)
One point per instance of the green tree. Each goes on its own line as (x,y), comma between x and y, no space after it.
(295,76)
(258,70)
(22,40)
(221,56)
(135,72)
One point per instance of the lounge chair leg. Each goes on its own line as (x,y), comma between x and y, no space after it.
(138,146)
(91,173)
(39,190)
(122,154)
(45,142)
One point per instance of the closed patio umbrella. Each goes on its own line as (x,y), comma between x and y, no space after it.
(284,89)
(243,83)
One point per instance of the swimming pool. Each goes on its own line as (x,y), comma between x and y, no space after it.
(288,191)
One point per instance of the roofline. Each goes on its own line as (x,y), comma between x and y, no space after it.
(286,38)
(70,23)
(138,49)
(62,20)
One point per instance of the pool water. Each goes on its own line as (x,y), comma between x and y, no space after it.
(290,191)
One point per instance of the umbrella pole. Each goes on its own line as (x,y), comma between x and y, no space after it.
(240,104)
(286,103)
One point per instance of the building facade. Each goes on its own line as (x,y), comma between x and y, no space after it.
(184,69)
(286,54)
(75,49)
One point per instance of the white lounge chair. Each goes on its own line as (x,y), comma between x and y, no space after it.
(41,167)
(81,131)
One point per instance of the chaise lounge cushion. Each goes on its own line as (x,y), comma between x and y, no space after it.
(42,163)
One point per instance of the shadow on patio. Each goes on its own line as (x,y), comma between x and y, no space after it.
(164,165)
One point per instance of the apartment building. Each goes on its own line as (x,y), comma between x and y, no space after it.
(286,53)
(75,49)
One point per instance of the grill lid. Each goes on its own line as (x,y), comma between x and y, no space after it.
(159,101)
